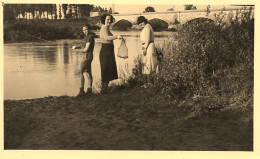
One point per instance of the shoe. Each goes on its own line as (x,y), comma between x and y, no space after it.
(89,91)
(104,87)
(81,92)
(144,86)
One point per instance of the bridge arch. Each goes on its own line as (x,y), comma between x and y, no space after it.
(123,25)
(158,24)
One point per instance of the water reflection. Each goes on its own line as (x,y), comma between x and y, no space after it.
(65,52)
(39,69)
(44,55)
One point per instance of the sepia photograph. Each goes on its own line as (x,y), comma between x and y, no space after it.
(133,77)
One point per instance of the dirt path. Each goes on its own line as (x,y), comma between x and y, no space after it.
(132,119)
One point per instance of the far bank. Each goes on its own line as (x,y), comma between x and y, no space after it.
(22,30)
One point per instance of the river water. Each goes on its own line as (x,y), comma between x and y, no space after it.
(40,69)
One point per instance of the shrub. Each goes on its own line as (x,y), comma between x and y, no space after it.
(211,60)
(136,77)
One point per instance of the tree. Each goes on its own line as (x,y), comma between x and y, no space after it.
(33,10)
(27,9)
(188,6)
(194,8)
(84,10)
(22,9)
(75,8)
(149,9)
(69,15)
(37,10)
(64,9)
(110,10)
(208,10)
(59,11)
(8,12)
(52,10)
(40,9)
(48,9)
(55,12)
(89,7)
(98,9)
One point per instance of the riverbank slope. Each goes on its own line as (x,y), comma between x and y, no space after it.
(128,119)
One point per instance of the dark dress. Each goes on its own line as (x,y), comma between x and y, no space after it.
(107,60)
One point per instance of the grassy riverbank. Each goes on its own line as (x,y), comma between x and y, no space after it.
(46,29)
(130,119)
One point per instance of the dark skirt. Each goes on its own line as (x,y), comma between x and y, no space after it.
(108,62)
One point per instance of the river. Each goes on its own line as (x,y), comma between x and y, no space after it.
(40,69)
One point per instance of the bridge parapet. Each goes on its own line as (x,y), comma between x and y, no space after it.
(181,16)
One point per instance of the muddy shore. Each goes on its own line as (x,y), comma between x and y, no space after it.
(131,119)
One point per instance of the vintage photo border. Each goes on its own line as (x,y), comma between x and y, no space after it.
(43,154)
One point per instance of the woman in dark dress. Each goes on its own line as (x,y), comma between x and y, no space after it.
(107,55)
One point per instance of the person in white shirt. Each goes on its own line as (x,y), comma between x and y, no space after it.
(150,63)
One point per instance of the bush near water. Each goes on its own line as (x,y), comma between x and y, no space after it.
(211,65)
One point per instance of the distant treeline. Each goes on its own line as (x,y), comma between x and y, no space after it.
(45,11)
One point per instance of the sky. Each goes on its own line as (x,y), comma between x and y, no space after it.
(139,8)
(136,8)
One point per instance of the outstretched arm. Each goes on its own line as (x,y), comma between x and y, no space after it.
(84,50)
(105,35)
(79,49)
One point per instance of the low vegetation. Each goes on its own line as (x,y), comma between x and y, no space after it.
(211,65)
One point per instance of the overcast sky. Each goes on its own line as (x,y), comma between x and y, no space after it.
(139,8)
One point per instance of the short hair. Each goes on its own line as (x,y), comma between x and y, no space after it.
(141,19)
(103,18)
(87,25)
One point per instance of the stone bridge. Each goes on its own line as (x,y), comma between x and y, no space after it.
(180,17)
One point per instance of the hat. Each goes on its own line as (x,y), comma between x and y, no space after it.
(141,19)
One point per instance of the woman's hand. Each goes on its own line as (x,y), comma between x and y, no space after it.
(75,47)
(144,51)
(119,37)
